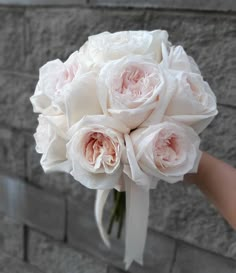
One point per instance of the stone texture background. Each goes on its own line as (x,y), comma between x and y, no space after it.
(47,229)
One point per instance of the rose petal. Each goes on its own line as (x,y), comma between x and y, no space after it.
(133,170)
(51,142)
(99,181)
(81,99)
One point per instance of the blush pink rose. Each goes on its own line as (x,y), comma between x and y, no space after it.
(129,89)
(166,151)
(53,77)
(95,149)
(66,88)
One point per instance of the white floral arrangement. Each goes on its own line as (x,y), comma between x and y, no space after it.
(121,114)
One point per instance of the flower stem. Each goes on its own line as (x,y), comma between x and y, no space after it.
(115,211)
(122,213)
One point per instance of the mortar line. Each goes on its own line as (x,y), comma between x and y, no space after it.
(89,5)
(173,262)
(227,105)
(17,73)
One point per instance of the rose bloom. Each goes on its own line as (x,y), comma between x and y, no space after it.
(167,150)
(129,89)
(53,77)
(51,140)
(193,102)
(66,88)
(108,46)
(95,149)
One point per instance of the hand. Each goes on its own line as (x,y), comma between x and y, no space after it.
(217,180)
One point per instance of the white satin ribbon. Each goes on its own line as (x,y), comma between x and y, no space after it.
(137,212)
(101,198)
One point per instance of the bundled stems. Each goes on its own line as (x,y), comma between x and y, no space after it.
(118,212)
(121,214)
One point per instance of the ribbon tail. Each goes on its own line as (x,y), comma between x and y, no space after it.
(137,212)
(100,202)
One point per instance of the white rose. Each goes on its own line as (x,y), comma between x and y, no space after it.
(53,77)
(51,140)
(130,88)
(108,46)
(193,103)
(176,58)
(167,151)
(95,150)
(64,88)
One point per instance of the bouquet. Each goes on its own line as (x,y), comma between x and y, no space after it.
(121,114)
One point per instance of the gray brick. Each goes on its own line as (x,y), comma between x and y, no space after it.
(194,260)
(9,264)
(12,38)
(56,33)
(11,236)
(43,2)
(12,152)
(159,250)
(215,5)
(210,40)
(182,211)
(81,222)
(15,108)
(32,206)
(53,257)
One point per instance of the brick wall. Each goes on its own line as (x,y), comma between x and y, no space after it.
(43,224)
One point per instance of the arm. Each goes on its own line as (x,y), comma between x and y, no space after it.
(217,180)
